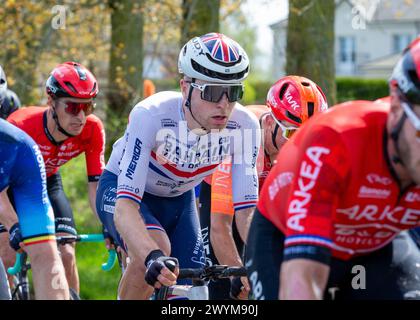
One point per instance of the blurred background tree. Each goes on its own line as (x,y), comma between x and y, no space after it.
(125,63)
(310,43)
(199,17)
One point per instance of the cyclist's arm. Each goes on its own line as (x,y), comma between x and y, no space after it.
(221,238)
(221,216)
(95,162)
(303,279)
(132,228)
(92,186)
(245,177)
(243,221)
(8,215)
(140,139)
(322,168)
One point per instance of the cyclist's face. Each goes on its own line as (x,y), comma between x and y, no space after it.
(410,146)
(71,115)
(269,126)
(212,115)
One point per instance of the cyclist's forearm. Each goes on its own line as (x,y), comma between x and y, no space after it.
(48,272)
(243,221)
(132,229)
(221,239)
(303,279)
(92,186)
(8,215)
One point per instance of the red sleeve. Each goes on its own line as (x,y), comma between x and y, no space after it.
(320,179)
(95,160)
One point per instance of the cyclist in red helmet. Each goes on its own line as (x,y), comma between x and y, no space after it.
(63,130)
(290,102)
(331,216)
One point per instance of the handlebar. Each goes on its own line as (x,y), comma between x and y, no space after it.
(18,265)
(107,266)
(212,273)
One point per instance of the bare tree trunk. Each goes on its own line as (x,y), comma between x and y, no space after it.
(126,63)
(199,17)
(310,43)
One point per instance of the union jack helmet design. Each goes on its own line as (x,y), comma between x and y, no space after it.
(214,57)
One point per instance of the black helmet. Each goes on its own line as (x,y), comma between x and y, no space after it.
(406,74)
(9,103)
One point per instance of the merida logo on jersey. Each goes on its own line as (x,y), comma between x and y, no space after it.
(309,172)
(133,163)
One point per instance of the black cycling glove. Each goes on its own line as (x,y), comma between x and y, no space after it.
(15,237)
(154,262)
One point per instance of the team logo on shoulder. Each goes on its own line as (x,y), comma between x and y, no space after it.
(412,197)
(375,178)
(233,125)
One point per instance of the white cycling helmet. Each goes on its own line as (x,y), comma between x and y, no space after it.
(214,57)
(3,84)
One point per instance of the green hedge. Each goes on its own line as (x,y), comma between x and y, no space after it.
(361,89)
(347,89)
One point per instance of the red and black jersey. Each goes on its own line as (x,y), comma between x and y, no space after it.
(91,141)
(335,188)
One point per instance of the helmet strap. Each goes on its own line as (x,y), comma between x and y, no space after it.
(395,133)
(188,105)
(274,135)
(59,127)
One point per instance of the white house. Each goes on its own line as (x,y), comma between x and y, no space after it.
(369,35)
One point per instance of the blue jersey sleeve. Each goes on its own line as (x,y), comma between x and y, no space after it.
(24,172)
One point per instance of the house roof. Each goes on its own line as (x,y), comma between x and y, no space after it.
(378,10)
(387,62)
(388,10)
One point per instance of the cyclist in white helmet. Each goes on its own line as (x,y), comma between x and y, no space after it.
(9,101)
(3,84)
(173,140)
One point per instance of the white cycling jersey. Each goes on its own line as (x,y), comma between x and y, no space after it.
(158,154)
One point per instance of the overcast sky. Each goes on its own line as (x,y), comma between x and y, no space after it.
(261,14)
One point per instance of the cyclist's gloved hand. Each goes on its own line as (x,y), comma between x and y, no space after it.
(239,288)
(15,237)
(155,263)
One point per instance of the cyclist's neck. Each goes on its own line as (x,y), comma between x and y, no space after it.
(192,124)
(266,139)
(53,134)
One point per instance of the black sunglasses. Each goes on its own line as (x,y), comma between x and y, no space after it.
(214,92)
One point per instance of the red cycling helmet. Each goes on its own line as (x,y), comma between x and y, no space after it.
(295,99)
(406,74)
(72,80)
